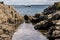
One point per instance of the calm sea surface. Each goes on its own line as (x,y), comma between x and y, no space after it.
(30,9)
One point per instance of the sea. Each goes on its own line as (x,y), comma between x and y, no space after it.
(30,9)
(26,31)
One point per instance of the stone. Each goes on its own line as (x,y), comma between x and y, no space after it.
(26,18)
(10,19)
(1,31)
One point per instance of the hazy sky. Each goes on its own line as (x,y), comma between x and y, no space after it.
(29,2)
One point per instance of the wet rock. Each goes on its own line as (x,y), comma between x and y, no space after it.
(56,17)
(31,19)
(50,32)
(35,20)
(54,31)
(41,16)
(44,25)
(37,15)
(26,18)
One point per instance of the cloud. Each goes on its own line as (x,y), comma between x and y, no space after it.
(26,2)
(1,0)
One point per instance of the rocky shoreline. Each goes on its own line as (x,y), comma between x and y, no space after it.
(9,21)
(47,22)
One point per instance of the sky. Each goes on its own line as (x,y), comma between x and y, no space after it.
(29,2)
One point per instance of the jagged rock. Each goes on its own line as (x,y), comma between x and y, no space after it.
(55,17)
(52,22)
(9,21)
(31,19)
(49,10)
(36,18)
(44,25)
(52,9)
(48,20)
(57,4)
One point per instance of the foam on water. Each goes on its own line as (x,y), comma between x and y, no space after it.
(27,32)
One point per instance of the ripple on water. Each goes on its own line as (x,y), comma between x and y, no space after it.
(27,32)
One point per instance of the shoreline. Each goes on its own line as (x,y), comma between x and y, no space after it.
(47,20)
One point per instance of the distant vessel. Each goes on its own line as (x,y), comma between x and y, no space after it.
(28,6)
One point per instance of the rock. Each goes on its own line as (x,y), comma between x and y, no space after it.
(47,22)
(35,20)
(31,19)
(56,17)
(52,9)
(51,22)
(44,25)
(26,18)
(37,15)
(58,22)
(9,21)
(49,10)
(41,16)
(57,5)
(50,16)
(54,32)
(1,31)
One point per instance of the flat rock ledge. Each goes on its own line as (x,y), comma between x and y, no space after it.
(9,21)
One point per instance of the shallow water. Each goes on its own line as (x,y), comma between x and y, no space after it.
(27,32)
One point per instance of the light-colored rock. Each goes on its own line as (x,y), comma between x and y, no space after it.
(9,21)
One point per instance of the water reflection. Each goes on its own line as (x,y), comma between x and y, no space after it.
(27,32)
